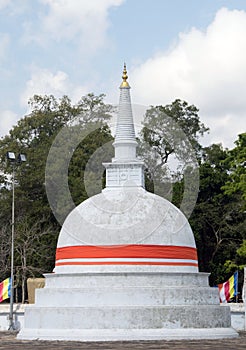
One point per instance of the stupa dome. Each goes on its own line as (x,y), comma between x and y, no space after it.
(126,227)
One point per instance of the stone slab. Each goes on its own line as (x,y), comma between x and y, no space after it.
(127,317)
(126,335)
(119,296)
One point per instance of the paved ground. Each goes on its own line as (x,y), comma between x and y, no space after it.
(8,341)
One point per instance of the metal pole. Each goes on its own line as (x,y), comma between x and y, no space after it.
(11,313)
(237,288)
(244,295)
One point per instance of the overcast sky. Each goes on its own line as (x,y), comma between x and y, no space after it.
(189,49)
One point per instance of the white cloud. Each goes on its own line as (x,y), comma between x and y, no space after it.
(7,120)
(205,68)
(4,3)
(65,20)
(44,82)
(4,44)
(15,7)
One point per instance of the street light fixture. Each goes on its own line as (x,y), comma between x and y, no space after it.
(13,161)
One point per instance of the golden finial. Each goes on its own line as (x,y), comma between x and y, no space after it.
(124,77)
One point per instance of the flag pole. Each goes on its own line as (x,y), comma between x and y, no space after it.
(11,305)
(243,295)
(237,288)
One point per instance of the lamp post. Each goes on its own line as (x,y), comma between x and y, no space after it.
(13,161)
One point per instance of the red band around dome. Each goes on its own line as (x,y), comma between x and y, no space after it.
(127,254)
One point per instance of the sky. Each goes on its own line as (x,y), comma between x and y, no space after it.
(194,50)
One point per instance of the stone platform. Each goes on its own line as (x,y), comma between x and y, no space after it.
(127,306)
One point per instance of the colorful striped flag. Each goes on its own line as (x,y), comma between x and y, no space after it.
(5,289)
(228,289)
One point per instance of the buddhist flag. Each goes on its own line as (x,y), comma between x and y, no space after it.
(5,289)
(228,289)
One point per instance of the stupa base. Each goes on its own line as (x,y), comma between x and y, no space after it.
(91,335)
(127,306)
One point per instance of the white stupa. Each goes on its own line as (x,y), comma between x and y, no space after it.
(126,264)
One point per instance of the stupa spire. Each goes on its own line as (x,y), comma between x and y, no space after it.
(125,140)
(126,169)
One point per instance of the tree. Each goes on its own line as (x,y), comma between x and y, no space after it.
(235,186)
(236,161)
(34,135)
(170,130)
(93,109)
(32,249)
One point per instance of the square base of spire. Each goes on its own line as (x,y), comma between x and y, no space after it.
(124,174)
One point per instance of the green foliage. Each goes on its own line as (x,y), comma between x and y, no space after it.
(86,169)
(241,252)
(170,136)
(239,260)
(187,118)
(236,161)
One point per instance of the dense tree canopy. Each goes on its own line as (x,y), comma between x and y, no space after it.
(170,130)
(236,160)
